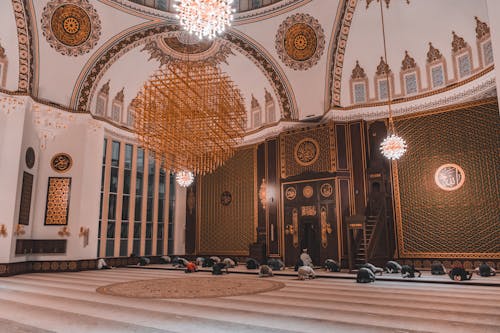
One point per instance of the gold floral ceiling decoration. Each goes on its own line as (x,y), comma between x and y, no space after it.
(192,115)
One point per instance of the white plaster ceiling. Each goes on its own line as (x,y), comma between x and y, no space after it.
(409,27)
(8,40)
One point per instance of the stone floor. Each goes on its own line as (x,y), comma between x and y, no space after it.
(68,302)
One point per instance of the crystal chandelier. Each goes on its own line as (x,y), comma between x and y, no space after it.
(204,17)
(393,146)
(184,178)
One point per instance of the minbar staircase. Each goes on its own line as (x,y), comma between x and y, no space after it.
(361,256)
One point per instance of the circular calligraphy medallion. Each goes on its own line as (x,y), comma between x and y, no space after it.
(326,190)
(307,191)
(30,157)
(61,162)
(306,152)
(449,177)
(226,198)
(290,193)
(300,41)
(71,27)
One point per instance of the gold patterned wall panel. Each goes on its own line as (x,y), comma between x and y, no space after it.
(228,226)
(308,150)
(437,222)
(58,194)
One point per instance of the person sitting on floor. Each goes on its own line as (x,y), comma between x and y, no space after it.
(365,275)
(306,258)
(101,264)
(229,262)
(437,268)
(165,260)
(181,263)
(373,268)
(208,263)
(143,261)
(190,267)
(215,259)
(409,271)
(265,271)
(218,268)
(331,265)
(199,261)
(298,264)
(458,273)
(276,264)
(485,270)
(392,267)
(306,272)
(252,263)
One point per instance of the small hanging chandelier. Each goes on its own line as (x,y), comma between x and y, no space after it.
(393,146)
(204,18)
(184,178)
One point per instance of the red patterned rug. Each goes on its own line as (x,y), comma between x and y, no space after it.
(190,287)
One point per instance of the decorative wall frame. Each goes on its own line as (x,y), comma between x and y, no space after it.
(58,198)
(61,162)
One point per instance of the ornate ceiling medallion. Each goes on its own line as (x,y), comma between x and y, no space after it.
(180,45)
(300,41)
(71,27)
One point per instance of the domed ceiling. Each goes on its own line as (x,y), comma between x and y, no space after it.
(291,59)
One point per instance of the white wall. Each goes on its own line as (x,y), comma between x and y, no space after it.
(494,19)
(11,136)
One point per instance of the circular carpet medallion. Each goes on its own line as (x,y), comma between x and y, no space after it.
(190,287)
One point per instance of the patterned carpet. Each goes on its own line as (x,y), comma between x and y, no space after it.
(68,302)
(220,286)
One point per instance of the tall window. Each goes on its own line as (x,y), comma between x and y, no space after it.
(113,198)
(162,189)
(150,203)
(127,179)
(437,76)
(171,204)
(464,65)
(411,83)
(383,91)
(133,208)
(139,183)
(359,93)
(103,173)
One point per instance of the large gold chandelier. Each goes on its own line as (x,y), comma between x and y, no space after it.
(204,17)
(192,115)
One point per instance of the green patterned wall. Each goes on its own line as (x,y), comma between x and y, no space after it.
(464,223)
(228,229)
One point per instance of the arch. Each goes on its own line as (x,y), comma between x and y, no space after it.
(93,71)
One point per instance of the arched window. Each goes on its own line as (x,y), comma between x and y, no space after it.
(270,107)
(381,84)
(359,85)
(484,47)
(3,67)
(117,106)
(437,75)
(101,107)
(256,111)
(410,76)
(462,57)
